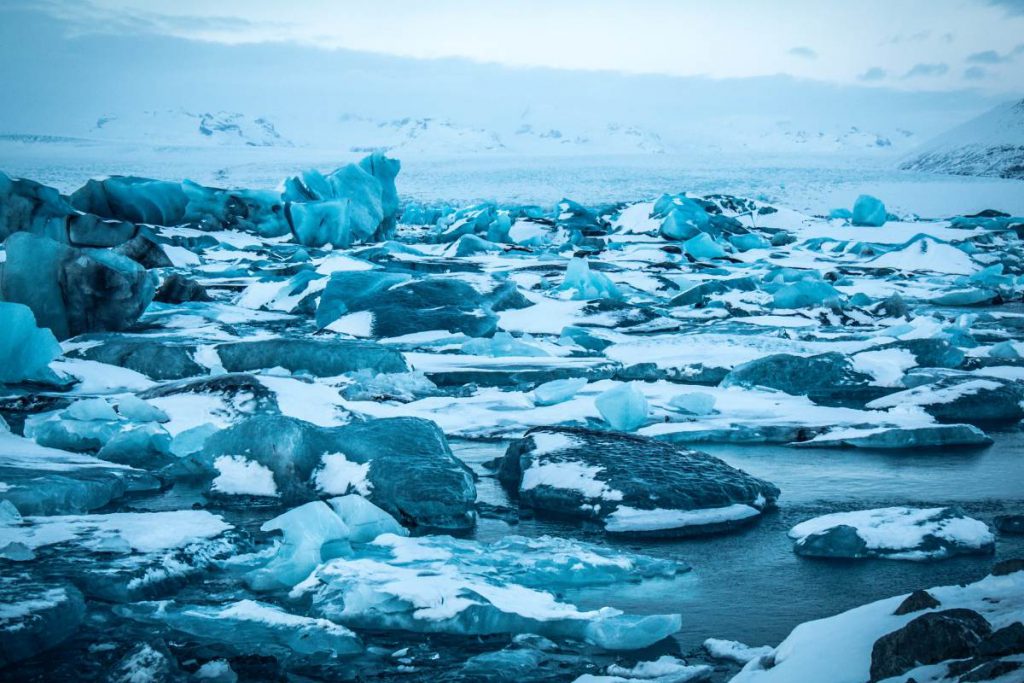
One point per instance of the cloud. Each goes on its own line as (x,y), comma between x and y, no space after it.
(975,73)
(875,73)
(928,70)
(987,57)
(1011,6)
(803,52)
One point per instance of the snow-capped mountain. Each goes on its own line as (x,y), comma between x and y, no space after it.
(990,145)
(180,127)
(789,137)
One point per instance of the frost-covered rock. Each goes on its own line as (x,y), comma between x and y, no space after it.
(379,304)
(840,648)
(321,358)
(403,465)
(71,290)
(633,485)
(896,533)
(828,378)
(962,398)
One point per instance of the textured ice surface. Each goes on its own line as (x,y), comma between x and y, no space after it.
(631,484)
(896,533)
(623,407)
(25,349)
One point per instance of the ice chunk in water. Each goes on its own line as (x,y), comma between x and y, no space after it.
(624,407)
(557,391)
(869,211)
(248,627)
(896,533)
(35,617)
(585,283)
(686,219)
(306,530)
(25,349)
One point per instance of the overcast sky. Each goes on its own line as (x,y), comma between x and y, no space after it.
(905,44)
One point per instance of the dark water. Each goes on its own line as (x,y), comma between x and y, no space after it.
(750,586)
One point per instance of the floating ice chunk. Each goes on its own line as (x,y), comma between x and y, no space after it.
(749,241)
(25,349)
(215,671)
(624,407)
(319,358)
(91,409)
(365,520)
(501,344)
(896,533)
(828,378)
(557,391)
(703,246)
(439,597)
(628,520)
(898,438)
(591,474)
(808,294)
(248,627)
(970,296)
(585,283)
(237,475)
(693,403)
(735,651)
(306,529)
(665,669)
(869,211)
(841,214)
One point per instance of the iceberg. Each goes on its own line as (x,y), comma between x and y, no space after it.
(685,220)
(703,246)
(320,358)
(869,211)
(808,294)
(35,617)
(828,378)
(895,533)
(306,530)
(557,391)
(71,290)
(962,398)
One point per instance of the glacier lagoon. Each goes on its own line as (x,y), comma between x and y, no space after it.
(697,405)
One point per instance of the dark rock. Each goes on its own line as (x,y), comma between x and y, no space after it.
(1008,567)
(630,471)
(928,639)
(1008,640)
(412,473)
(155,357)
(1010,524)
(990,670)
(178,289)
(322,358)
(917,601)
(827,379)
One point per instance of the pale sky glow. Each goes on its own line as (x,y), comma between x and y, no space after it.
(906,44)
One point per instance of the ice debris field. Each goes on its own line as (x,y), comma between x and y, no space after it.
(322,433)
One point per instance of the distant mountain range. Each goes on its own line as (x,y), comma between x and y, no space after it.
(443,137)
(989,145)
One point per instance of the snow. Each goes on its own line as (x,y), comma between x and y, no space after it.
(735,651)
(902,531)
(930,255)
(626,519)
(144,532)
(569,475)
(887,366)
(340,476)
(927,395)
(238,475)
(838,648)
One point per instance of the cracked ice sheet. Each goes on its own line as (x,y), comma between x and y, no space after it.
(493,412)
